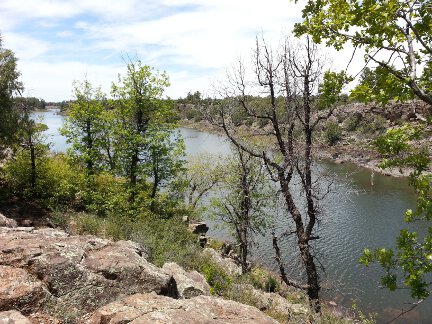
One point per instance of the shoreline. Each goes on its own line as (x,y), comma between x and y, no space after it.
(337,154)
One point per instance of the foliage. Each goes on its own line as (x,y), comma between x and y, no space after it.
(32,102)
(58,185)
(333,132)
(352,122)
(379,85)
(144,125)
(203,172)
(413,254)
(395,35)
(244,200)
(87,128)
(373,125)
(9,87)
(331,87)
(216,277)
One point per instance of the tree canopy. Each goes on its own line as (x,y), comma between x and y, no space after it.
(395,34)
(10,85)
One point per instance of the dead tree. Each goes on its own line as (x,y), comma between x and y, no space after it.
(291,84)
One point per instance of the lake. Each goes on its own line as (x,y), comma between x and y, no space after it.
(357,215)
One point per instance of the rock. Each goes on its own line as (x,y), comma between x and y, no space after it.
(332,303)
(81,273)
(202,240)
(189,284)
(226,248)
(198,228)
(151,308)
(185,219)
(12,317)
(229,266)
(7,222)
(272,302)
(18,290)
(27,223)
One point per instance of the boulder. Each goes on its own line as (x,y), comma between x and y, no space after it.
(189,284)
(152,308)
(81,273)
(272,302)
(18,290)
(13,317)
(198,228)
(227,264)
(7,222)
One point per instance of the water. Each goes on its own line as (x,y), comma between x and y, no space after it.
(358,215)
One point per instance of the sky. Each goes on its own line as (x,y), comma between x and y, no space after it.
(194,41)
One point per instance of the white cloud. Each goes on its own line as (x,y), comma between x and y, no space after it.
(25,47)
(201,36)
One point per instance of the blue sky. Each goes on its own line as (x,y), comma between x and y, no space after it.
(195,41)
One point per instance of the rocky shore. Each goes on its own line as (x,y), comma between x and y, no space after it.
(355,146)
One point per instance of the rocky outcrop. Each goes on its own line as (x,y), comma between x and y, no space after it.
(271,302)
(13,317)
(199,228)
(189,284)
(18,290)
(49,276)
(7,222)
(151,308)
(227,264)
(79,273)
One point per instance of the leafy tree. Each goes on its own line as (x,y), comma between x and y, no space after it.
(166,149)
(9,87)
(413,253)
(395,34)
(244,200)
(87,129)
(203,172)
(143,127)
(379,85)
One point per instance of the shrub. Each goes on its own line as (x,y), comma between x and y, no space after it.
(89,224)
(216,277)
(58,184)
(333,132)
(373,125)
(352,122)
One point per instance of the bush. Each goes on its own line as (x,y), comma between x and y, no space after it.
(373,125)
(168,240)
(58,184)
(216,277)
(333,132)
(352,122)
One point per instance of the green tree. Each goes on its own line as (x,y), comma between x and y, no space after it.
(379,85)
(244,201)
(86,128)
(203,172)
(395,34)
(413,253)
(144,127)
(10,86)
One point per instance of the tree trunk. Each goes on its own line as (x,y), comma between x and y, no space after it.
(33,164)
